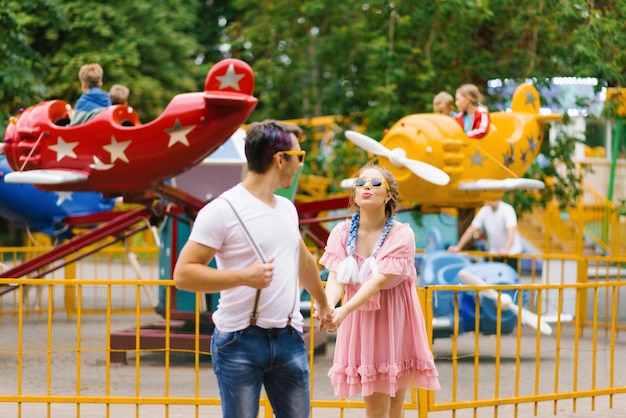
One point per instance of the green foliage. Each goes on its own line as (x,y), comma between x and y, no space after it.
(23,68)
(385,59)
(555,167)
(336,160)
(144,45)
(141,44)
(379,59)
(621,207)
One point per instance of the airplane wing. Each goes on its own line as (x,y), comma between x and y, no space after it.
(505,184)
(45,177)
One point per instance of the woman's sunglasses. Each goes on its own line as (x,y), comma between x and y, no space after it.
(374,182)
(300,154)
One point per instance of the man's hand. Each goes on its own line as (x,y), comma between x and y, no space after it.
(259,275)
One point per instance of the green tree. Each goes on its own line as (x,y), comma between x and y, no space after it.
(556,169)
(23,67)
(381,60)
(144,45)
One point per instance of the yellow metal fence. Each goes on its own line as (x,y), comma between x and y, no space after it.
(112,262)
(58,361)
(593,224)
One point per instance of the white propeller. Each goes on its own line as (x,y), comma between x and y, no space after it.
(506,302)
(398,157)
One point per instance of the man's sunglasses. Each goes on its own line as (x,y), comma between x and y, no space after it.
(375,182)
(300,154)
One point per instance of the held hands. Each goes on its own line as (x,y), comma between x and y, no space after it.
(330,318)
(259,275)
(324,315)
(338,316)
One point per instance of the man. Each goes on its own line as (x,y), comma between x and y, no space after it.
(262,344)
(499,221)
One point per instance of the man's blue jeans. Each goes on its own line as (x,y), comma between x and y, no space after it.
(275,358)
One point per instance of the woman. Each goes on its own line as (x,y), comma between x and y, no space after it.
(473,116)
(382,346)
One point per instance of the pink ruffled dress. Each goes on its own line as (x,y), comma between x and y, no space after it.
(383,345)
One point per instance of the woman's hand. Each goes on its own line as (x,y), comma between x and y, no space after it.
(338,316)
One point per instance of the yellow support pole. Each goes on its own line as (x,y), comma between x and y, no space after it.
(425,299)
(70,292)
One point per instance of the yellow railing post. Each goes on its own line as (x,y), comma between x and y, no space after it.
(70,293)
(581,294)
(422,404)
(425,298)
(580,226)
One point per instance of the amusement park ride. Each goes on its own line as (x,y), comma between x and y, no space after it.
(437,165)
(26,207)
(116,155)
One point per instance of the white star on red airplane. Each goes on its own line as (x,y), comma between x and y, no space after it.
(64,149)
(230,79)
(117,150)
(179,134)
(99,165)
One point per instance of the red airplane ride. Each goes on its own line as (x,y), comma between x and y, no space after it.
(114,153)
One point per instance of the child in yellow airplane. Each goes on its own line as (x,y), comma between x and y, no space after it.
(443,103)
(473,116)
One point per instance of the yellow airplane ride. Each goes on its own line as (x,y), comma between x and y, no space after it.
(438,166)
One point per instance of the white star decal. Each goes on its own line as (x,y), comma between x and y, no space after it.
(63,197)
(117,150)
(99,165)
(179,134)
(230,79)
(64,149)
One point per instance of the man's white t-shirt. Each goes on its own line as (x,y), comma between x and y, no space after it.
(276,232)
(496,225)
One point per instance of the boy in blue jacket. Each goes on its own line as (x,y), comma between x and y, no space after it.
(93,100)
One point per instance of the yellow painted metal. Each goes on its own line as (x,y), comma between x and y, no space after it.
(109,262)
(69,296)
(422,397)
(616,101)
(555,230)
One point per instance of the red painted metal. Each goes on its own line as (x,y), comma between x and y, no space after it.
(120,228)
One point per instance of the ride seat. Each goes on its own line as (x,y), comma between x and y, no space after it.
(124,115)
(58,112)
(443,300)
(433,262)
